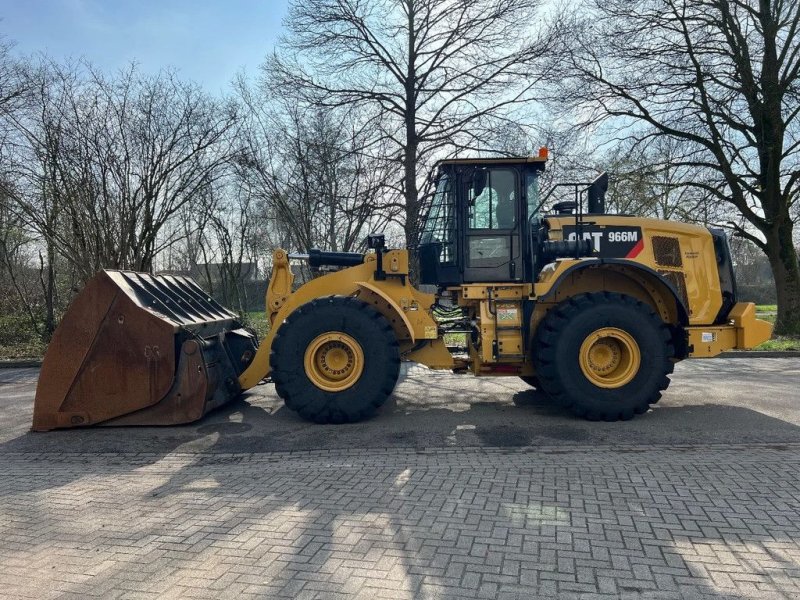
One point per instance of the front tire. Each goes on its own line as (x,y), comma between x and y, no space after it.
(605,356)
(335,360)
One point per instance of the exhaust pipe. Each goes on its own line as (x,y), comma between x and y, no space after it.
(597,195)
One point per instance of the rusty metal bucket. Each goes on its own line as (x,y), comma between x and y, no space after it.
(138,349)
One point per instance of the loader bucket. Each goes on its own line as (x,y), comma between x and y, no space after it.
(138,349)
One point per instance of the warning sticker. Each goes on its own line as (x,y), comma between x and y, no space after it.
(506,313)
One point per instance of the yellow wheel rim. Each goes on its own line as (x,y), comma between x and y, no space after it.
(610,357)
(334,361)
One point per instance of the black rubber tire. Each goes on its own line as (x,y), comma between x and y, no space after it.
(358,320)
(531,380)
(558,341)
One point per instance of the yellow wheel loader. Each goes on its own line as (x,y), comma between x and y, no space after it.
(594,309)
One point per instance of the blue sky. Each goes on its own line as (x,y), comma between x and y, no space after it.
(207,40)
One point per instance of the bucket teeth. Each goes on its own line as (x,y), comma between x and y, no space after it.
(139,349)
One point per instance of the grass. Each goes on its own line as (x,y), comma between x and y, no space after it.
(22,350)
(257,320)
(767,312)
(781,343)
(18,340)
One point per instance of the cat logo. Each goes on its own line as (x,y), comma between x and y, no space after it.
(595,236)
(610,242)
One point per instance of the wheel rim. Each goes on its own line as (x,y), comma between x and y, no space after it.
(334,361)
(610,357)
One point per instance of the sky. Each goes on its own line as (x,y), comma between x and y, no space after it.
(208,41)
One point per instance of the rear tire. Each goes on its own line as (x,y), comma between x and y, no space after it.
(335,360)
(605,356)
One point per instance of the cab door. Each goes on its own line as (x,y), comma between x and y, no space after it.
(492,240)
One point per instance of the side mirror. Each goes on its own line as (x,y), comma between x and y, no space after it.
(376,241)
(478,182)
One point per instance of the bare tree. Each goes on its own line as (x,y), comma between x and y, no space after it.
(16,286)
(19,285)
(13,86)
(307,169)
(724,77)
(444,75)
(651,179)
(230,237)
(108,162)
(18,257)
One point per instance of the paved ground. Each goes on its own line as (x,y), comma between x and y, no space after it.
(459,488)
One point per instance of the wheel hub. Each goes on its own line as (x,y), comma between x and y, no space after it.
(609,357)
(334,361)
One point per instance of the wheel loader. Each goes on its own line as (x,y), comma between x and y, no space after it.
(593,309)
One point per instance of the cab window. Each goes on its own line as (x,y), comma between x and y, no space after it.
(440,223)
(493,207)
(532,193)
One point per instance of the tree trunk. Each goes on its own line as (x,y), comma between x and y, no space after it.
(786,271)
(411,149)
(411,196)
(49,294)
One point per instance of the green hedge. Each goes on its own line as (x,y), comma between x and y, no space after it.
(18,339)
(16,329)
(760,293)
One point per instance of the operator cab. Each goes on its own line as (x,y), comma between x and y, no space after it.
(478,222)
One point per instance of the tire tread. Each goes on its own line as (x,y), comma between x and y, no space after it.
(552,328)
(289,375)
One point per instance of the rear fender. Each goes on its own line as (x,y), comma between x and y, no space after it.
(572,277)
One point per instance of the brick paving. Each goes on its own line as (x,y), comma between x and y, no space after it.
(584,521)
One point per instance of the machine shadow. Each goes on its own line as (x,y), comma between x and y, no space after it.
(336,516)
(257,422)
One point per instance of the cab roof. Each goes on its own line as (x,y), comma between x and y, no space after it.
(495,160)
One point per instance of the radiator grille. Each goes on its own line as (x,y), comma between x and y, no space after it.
(677,279)
(667,251)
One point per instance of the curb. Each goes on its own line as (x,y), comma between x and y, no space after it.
(20,364)
(760,354)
